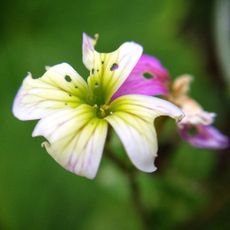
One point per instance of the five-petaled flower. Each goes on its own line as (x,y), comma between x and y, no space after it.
(74,114)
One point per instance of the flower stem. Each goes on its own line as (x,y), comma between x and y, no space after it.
(136,198)
(135,191)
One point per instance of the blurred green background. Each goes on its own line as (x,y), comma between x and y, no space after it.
(191,187)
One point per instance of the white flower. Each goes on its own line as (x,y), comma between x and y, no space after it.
(74,114)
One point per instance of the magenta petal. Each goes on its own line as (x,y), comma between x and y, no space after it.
(148,77)
(204,137)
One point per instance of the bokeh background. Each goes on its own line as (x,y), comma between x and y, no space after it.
(191,188)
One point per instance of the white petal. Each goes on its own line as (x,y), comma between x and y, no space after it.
(60,86)
(138,137)
(75,139)
(109,70)
(132,118)
(146,107)
(88,50)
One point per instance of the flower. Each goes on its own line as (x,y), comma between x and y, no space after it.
(195,127)
(74,114)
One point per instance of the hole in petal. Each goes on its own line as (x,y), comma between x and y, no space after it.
(114,67)
(192,131)
(68,78)
(147,75)
(96,84)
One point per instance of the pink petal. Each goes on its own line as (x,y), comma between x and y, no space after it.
(204,137)
(148,77)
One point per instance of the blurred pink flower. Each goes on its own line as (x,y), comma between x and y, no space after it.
(196,126)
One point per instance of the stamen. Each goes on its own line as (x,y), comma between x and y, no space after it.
(102,110)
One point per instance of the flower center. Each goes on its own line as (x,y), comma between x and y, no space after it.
(192,131)
(102,110)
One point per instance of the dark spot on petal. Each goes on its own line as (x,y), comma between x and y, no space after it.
(68,78)
(76,87)
(70,95)
(92,71)
(97,70)
(96,84)
(102,62)
(147,75)
(114,66)
(66,103)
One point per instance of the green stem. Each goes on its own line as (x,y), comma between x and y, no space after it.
(133,184)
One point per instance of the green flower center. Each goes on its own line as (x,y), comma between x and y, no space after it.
(102,110)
